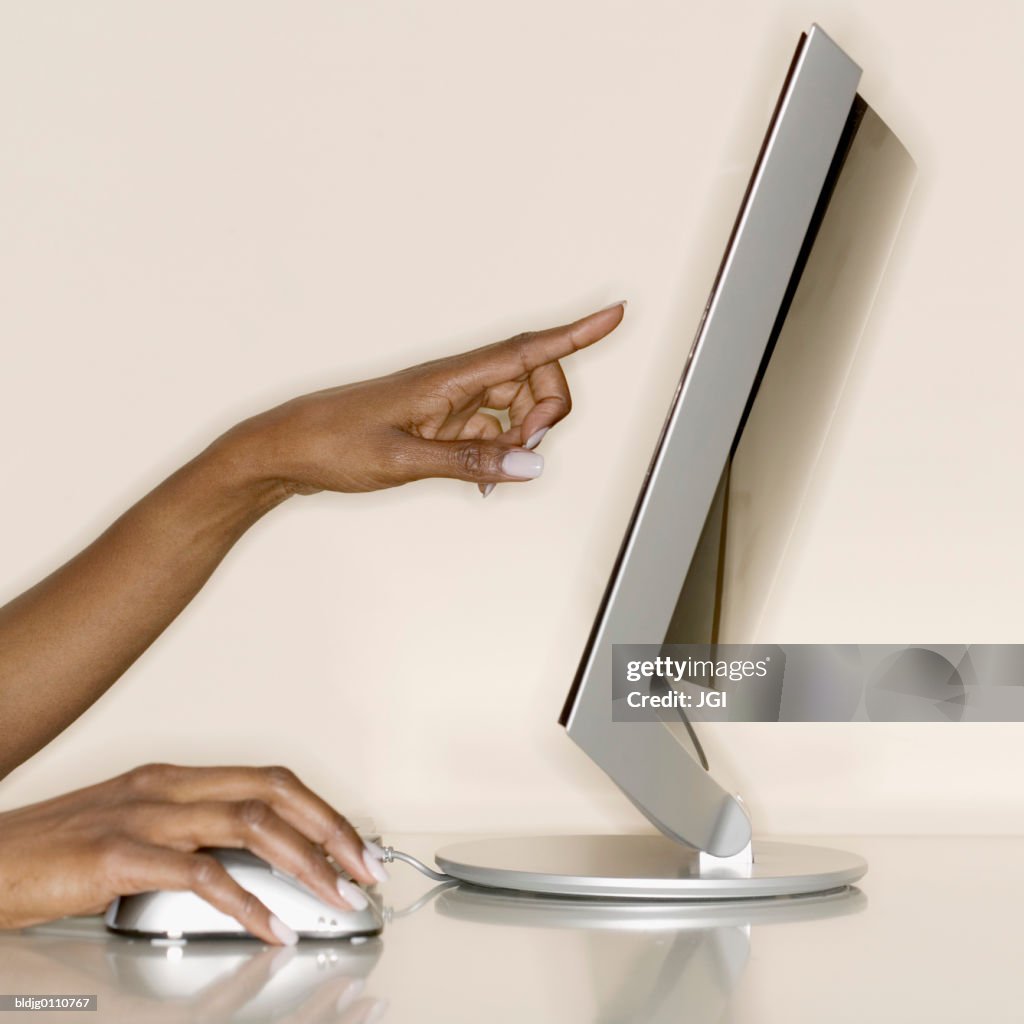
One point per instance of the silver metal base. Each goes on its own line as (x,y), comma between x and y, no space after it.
(648,867)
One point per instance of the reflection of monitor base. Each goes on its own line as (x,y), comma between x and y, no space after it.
(645,867)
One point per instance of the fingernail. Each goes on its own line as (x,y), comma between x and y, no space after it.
(353,990)
(352,895)
(622,302)
(282,932)
(375,850)
(536,437)
(487,490)
(375,867)
(524,465)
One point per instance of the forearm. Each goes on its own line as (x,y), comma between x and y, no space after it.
(65,641)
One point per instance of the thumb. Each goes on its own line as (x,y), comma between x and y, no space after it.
(475,460)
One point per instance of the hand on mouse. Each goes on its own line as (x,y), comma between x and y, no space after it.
(426,421)
(144,830)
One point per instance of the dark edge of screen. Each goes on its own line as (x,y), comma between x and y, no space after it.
(723,537)
(853,121)
(574,689)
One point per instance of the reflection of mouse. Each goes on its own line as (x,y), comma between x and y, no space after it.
(184,915)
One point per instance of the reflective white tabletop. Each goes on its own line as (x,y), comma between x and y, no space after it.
(931,935)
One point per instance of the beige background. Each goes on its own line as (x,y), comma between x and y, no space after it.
(210,207)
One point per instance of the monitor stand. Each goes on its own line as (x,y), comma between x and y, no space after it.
(647,867)
(658,866)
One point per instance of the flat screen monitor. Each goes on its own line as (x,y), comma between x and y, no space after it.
(757,389)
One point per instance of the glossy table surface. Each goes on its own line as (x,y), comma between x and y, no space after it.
(931,934)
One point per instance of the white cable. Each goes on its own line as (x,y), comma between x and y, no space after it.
(391,854)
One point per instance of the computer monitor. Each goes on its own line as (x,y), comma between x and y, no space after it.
(753,401)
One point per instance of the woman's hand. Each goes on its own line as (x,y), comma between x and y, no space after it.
(427,421)
(143,831)
(67,639)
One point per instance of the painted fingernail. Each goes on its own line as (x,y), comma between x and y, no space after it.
(352,895)
(524,465)
(622,302)
(536,437)
(487,490)
(352,991)
(285,935)
(375,867)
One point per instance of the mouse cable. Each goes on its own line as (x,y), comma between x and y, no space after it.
(391,914)
(391,854)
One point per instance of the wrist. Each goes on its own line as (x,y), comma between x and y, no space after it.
(238,467)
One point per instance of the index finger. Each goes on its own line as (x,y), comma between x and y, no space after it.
(517,357)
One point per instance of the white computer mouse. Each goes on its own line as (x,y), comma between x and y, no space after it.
(184,915)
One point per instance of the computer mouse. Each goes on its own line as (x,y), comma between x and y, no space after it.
(184,915)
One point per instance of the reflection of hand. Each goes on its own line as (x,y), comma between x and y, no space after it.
(141,831)
(39,964)
(340,995)
(425,421)
(337,993)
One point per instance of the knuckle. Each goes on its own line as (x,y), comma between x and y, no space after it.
(520,343)
(340,825)
(448,389)
(147,776)
(469,458)
(522,338)
(203,871)
(280,778)
(253,814)
(250,906)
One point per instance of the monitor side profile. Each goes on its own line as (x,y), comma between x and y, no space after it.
(814,121)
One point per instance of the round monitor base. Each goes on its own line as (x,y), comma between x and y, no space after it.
(644,867)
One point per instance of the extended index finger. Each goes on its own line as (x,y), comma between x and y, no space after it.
(519,356)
